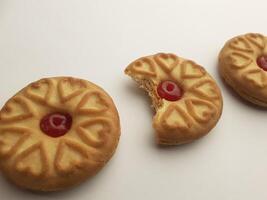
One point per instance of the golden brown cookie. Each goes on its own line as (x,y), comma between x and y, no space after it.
(57,132)
(187,101)
(243,65)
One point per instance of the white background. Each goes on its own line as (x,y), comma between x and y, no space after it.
(96,40)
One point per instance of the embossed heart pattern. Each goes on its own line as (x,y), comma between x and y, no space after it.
(36,161)
(187,100)
(57,132)
(242,64)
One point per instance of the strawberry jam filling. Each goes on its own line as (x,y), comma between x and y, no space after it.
(169,90)
(262,62)
(56,124)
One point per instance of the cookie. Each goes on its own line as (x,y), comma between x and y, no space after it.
(243,65)
(187,101)
(56,133)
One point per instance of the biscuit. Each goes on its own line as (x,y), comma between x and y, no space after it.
(243,66)
(57,132)
(187,101)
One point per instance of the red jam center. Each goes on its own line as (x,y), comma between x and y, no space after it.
(169,90)
(262,62)
(56,124)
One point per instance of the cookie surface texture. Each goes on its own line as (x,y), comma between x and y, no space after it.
(187,101)
(243,65)
(57,132)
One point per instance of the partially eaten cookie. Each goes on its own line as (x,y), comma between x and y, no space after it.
(187,100)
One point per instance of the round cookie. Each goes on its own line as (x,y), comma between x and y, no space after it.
(187,101)
(243,65)
(57,132)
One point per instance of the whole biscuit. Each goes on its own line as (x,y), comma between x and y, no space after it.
(36,161)
(192,116)
(238,67)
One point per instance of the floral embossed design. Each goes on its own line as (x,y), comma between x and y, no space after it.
(244,50)
(200,103)
(22,139)
(241,54)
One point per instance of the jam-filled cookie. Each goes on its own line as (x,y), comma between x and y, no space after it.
(187,101)
(243,65)
(57,132)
